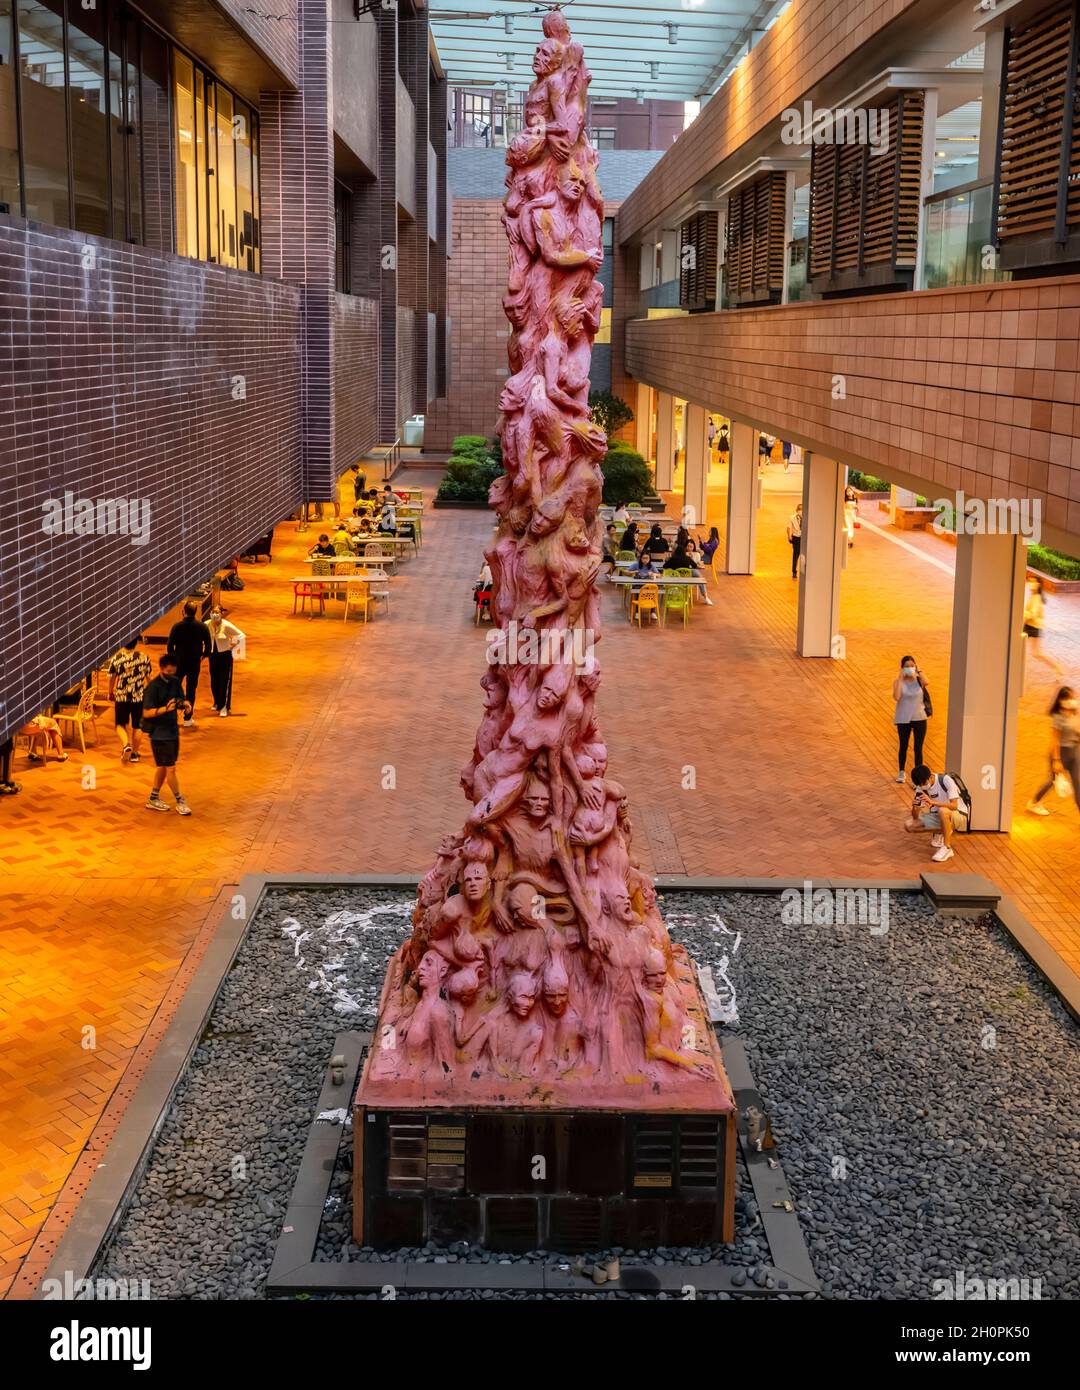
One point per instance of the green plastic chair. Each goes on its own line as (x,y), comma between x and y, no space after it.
(677,597)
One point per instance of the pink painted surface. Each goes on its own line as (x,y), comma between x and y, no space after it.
(539,971)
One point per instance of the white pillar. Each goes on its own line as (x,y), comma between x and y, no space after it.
(985,673)
(696,477)
(665,440)
(822,555)
(741,500)
(643,419)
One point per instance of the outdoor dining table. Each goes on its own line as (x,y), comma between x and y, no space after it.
(663,581)
(378,560)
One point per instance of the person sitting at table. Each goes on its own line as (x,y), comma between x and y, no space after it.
(657,544)
(322,546)
(611,545)
(629,540)
(708,549)
(388,520)
(681,559)
(342,541)
(43,734)
(648,567)
(621,515)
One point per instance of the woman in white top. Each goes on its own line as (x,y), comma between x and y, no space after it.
(909,716)
(224,638)
(1035,621)
(794,535)
(1064,749)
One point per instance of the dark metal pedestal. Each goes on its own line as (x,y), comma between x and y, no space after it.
(522,1180)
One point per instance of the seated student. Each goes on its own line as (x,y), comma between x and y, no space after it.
(629,540)
(681,559)
(611,545)
(322,546)
(648,567)
(708,548)
(657,544)
(342,541)
(621,515)
(388,521)
(43,733)
(936,807)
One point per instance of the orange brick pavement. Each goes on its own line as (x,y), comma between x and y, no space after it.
(105,907)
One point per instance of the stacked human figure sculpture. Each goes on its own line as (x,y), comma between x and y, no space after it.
(537,951)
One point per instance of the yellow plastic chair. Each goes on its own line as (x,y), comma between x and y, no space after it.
(687,574)
(358,596)
(645,600)
(677,598)
(80,716)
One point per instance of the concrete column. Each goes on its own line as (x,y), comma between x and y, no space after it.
(822,556)
(642,419)
(985,673)
(696,476)
(741,500)
(665,440)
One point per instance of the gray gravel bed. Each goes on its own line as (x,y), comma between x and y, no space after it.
(922,1083)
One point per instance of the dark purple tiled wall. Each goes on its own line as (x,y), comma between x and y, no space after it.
(117,379)
(356,425)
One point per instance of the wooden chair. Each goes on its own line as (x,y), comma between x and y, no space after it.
(358,596)
(80,716)
(647,599)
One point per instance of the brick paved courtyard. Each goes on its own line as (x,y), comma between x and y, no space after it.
(106,909)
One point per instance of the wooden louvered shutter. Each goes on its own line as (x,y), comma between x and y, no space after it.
(755,245)
(698,249)
(1038,183)
(864,205)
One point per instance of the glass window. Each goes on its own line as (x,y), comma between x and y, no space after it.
(117,124)
(133,127)
(205,128)
(154,166)
(255,197)
(342,238)
(609,233)
(10,197)
(245,205)
(44,111)
(89,128)
(226,177)
(187,175)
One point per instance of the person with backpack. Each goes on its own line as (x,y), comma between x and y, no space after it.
(1064,751)
(912,696)
(163,698)
(941,806)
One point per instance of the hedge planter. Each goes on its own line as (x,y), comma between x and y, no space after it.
(449,502)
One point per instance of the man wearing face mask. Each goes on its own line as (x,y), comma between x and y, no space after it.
(936,807)
(224,638)
(912,701)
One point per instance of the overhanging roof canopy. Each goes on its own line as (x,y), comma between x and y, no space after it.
(489,45)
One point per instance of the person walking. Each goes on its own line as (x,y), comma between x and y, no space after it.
(851,513)
(910,714)
(129,674)
(224,639)
(794,535)
(785,450)
(189,642)
(1064,750)
(1035,622)
(162,700)
(723,443)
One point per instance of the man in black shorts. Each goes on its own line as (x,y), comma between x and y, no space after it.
(129,673)
(163,697)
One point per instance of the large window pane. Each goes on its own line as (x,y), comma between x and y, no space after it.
(255,186)
(205,160)
(245,203)
(117,121)
(44,110)
(10,200)
(226,177)
(133,133)
(156,163)
(187,170)
(89,154)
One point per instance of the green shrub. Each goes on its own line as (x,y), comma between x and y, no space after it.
(610,412)
(469,443)
(468,478)
(627,477)
(1053,562)
(866,482)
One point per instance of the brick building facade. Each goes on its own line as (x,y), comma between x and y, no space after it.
(225,386)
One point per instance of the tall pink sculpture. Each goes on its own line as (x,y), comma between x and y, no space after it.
(539,971)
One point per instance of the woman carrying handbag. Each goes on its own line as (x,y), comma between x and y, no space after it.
(913,708)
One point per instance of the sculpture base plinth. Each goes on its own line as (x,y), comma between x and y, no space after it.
(518,1180)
